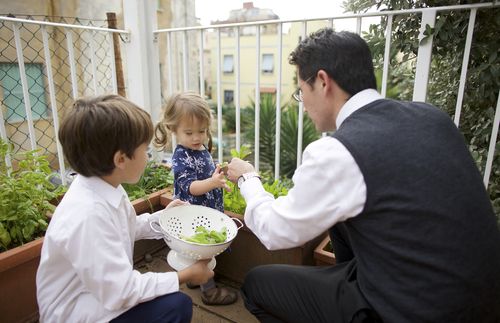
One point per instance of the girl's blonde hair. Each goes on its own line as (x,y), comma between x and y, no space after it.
(180,105)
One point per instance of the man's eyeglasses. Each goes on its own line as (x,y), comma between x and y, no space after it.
(297,95)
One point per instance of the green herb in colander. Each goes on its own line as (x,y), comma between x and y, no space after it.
(205,236)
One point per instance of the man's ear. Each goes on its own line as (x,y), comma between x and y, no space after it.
(324,80)
(119,159)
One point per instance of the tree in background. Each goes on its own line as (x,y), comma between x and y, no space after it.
(483,75)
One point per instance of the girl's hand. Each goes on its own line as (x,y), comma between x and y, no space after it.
(176,202)
(196,274)
(219,179)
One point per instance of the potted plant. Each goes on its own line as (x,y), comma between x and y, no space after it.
(156,180)
(25,196)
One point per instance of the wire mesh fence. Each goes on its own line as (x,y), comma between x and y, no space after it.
(81,63)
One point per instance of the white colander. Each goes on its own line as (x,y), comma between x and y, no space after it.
(183,221)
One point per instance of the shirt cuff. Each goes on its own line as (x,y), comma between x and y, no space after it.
(167,283)
(251,187)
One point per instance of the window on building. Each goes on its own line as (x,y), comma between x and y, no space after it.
(228,96)
(267,63)
(228,64)
(12,99)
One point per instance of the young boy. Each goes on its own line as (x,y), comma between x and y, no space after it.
(86,270)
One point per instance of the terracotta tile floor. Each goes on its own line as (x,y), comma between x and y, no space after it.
(201,313)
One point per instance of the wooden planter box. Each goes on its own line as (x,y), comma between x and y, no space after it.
(17,282)
(323,256)
(247,251)
(18,268)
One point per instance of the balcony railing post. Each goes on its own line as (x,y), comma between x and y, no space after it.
(423,57)
(142,55)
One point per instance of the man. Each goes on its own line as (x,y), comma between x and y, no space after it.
(412,226)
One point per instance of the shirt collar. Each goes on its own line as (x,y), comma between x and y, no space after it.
(356,102)
(112,195)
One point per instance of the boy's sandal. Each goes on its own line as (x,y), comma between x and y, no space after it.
(219,296)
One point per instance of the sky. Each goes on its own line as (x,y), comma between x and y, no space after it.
(211,10)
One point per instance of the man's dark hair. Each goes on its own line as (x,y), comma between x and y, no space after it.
(344,56)
(98,127)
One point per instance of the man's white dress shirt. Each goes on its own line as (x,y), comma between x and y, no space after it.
(328,188)
(86,268)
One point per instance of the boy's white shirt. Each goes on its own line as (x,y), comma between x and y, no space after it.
(86,267)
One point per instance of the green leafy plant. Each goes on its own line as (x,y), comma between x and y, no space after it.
(234,201)
(288,134)
(154,178)
(25,195)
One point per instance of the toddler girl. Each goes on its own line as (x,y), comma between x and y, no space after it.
(196,178)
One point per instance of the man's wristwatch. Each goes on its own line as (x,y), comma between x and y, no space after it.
(246,176)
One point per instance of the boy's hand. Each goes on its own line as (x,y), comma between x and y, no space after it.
(219,179)
(196,274)
(176,202)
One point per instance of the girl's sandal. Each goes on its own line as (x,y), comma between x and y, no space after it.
(219,296)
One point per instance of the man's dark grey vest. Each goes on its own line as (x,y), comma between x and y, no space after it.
(427,243)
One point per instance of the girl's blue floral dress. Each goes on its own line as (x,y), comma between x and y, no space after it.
(194,165)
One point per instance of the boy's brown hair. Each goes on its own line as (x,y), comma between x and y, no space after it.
(178,106)
(98,127)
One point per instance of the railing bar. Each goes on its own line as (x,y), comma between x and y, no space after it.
(170,66)
(202,76)
(92,61)
(465,63)
(71,56)
(219,103)
(55,24)
(358,25)
(185,60)
(257,100)
(237,92)
(112,63)
(53,103)
(278,104)
(170,85)
(300,121)
(349,16)
(493,140)
(330,23)
(423,57)
(24,83)
(3,133)
(387,57)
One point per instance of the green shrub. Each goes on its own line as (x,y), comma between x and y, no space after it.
(288,135)
(25,195)
(234,201)
(154,178)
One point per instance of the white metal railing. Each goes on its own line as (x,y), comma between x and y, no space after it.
(142,55)
(421,74)
(45,55)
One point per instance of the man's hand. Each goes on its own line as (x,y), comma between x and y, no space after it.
(238,167)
